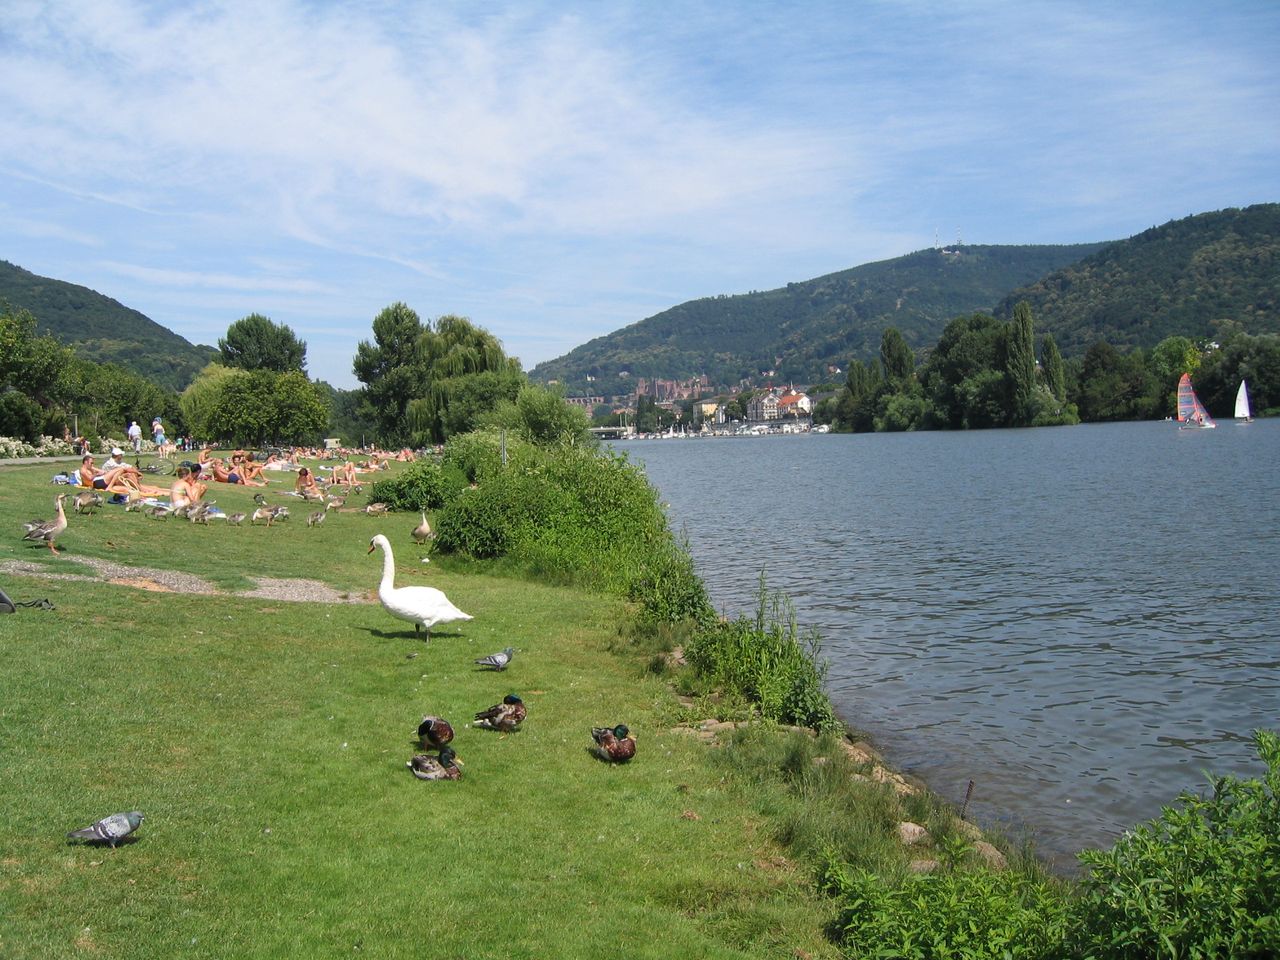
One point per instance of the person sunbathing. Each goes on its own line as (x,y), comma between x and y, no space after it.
(116,476)
(305,483)
(345,473)
(186,490)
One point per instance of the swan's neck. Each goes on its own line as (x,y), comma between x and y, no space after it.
(388,570)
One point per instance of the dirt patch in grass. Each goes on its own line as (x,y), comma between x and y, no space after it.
(156,580)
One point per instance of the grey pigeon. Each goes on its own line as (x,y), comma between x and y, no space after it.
(110,829)
(498,661)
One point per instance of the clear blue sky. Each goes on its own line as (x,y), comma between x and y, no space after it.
(557,171)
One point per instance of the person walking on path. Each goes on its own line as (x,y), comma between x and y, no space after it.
(135,436)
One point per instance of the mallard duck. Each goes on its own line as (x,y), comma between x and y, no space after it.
(50,530)
(434,733)
(504,716)
(422,532)
(498,661)
(426,767)
(424,607)
(614,743)
(88,502)
(316,518)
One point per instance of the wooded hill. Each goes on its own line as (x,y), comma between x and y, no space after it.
(103,330)
(801,329)
(1173,280)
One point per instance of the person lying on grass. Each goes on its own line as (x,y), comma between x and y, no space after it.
(116,477)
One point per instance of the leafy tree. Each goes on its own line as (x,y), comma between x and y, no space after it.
(259,406)
(1115,386)
(20,416)
(31,364)
(255,343)
(964,377)
(541,416)
(200,397)
(454,352)
(1243,357)
(391,370)
(1020,365)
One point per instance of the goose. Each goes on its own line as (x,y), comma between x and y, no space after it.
(88,502)
(158,512)
(376,509)
(262,513)
(235,519)
(424,607)
(50,530)
(316,518)
(423,530)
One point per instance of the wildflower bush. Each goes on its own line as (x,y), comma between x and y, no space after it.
(768,661)
(12,447)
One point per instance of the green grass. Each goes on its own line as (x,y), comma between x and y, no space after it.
(265,741)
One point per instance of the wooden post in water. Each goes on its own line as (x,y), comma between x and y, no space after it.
(967,794)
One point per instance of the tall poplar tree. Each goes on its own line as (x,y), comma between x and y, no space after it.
(1055,374)
(1021,366)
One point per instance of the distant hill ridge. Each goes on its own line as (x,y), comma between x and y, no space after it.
(804,328)
(1175,279)
(102,329)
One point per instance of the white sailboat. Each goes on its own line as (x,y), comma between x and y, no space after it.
(1243,414)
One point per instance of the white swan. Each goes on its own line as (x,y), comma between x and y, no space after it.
(424,607)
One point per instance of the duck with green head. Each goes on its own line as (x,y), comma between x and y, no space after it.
(615,744)
(504,716)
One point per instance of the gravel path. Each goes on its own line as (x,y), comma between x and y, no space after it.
(173,581)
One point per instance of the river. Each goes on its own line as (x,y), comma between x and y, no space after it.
(1082,620)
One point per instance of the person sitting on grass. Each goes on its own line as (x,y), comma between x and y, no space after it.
(116,476)
(186,490)
(305,484)
(251,470)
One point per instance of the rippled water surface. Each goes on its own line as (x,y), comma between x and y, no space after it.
(1082,620)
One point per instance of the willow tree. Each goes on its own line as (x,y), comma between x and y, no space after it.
(461,362)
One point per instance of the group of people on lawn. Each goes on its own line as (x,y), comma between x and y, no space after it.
(125,480)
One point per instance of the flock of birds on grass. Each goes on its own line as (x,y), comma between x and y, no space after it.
(424,607)
(89,502)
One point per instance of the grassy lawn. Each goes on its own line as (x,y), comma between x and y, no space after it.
(265,741)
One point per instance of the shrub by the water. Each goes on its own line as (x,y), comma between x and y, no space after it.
(424,485)
(768,661)
(958,916)
(1202,880)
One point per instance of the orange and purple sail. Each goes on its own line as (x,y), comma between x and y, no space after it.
(1190,409)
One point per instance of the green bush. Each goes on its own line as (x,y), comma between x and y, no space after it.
(767,661)
(1202,880)
(424,485)
(948,916)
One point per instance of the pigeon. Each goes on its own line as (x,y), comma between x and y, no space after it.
(110,829)
(498,661)
(434,732)
(504,716)
(614,743)
(426,767)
